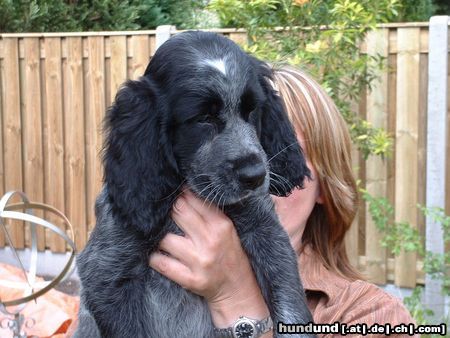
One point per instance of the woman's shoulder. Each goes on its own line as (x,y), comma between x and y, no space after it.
(367,303)
(333,298)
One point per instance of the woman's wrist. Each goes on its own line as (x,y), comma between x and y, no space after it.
(246,300)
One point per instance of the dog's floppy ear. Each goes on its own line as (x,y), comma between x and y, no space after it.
(140,169)
(286,161)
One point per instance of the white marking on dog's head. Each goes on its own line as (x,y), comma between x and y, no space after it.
(218,64)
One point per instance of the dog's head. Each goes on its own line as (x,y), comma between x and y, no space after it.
(204,112)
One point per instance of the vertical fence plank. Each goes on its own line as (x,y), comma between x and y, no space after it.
(32,130)
(95,99)
(352,235)
(54,136)
(376,167)
(392,108)
(407,125)
(118,64)
(141,55)
(361,108)
(74,155)
(12,137)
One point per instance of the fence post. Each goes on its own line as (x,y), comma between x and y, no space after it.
(163,34)
(436,150)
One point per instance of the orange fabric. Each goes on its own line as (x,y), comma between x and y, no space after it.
(53,312)
(332,298)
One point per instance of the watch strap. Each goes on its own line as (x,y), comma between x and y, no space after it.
(262,326)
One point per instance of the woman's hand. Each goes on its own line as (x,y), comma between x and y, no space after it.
(210,261)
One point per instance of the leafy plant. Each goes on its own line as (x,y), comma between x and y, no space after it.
(35,15)
(401,236)
(415,306)
(99,15)
(398,236)
(416,10)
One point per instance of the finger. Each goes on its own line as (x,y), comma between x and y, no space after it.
(171,268)
(188,219)
(179,247)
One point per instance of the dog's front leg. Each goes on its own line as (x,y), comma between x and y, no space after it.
(274,263)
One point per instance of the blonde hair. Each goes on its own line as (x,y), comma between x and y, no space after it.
(328,147)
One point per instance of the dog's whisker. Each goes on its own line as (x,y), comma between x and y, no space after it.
(214,197)
(288,146)
(173,192)
(224,200)
(275,187)
(220,198)
(211,192)
(280,183)
(278,187)
(200,175)
(289,184)
(217,194)
(205,188)
(180,193)
(180,185)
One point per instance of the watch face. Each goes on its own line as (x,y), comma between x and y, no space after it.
(244,330)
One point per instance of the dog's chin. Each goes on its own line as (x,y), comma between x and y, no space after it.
(226,195)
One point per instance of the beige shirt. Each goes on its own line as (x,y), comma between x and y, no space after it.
(332,298)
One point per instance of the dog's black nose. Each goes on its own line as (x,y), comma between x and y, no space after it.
(250,172)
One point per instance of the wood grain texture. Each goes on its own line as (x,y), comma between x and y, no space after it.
(376,167)
(54,136)
(32,131)
(407,145)
(12,128)
(74,153)
(95,100)
(140,57)
(118,64)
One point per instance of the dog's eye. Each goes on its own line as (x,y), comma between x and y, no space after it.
(209,112)
(204,118)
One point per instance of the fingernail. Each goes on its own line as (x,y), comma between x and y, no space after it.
(179,203)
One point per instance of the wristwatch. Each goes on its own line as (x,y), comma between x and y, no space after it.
(245,328)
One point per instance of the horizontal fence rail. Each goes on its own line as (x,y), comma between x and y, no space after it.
(55,88)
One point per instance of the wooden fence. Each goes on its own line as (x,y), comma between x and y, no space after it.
(55,89)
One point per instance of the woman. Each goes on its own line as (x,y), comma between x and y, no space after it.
(210,261)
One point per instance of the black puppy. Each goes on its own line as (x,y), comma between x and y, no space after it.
(205,114)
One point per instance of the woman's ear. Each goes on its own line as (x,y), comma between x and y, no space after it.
(286,161)
(140,169)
